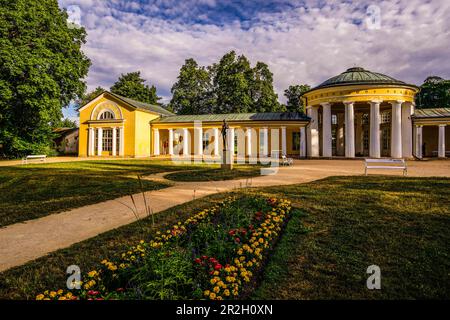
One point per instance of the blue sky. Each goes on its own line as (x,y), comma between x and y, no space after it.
(302,41)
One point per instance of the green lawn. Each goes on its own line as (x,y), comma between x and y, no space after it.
(216,174)
(345,224)
(35,190)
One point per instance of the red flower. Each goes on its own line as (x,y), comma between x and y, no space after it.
(120,290)
(231,232)
(93,293)
(237,240)
(198,261)
(218,266)
(204,257)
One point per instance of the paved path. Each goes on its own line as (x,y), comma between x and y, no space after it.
(32,239)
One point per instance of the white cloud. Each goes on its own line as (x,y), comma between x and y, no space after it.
(304,45)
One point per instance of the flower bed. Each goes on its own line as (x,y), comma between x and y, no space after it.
(214,254)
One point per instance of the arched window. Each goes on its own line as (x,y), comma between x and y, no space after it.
(106,115)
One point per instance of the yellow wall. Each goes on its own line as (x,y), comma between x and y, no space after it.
(135,122)
(143,140)
(360,93)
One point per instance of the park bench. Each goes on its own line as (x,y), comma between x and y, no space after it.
(38,157)
(285,161)
(398,164)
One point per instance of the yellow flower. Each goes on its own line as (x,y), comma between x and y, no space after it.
(60,291)
(52,294)
(216,289)
(226,293)
(92,274)
(40,297)
(212,295)
(206,293)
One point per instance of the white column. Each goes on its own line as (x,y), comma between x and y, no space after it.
(349,130)
(407,111)
(283,141)
(114,141)
(121,141)
(419,142)
(248,135)
(91,151)
(156,142)
(265,142)
(326,130)
(171,142)
(99,141)
(441,146)
(374,146)
(302,142)
(396,129)
(313,131)
(231,140)
(198,137)
(216,141)
(185,141)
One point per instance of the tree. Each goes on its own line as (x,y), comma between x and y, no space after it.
(85,98)
(67,123)
(434,93)
(232,84)
(41,70)
(132,86)
(191,93)
(261,90)
(293,94)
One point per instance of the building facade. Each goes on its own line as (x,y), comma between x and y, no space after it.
(358,113)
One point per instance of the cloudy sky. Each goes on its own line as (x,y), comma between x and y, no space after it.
(301,41)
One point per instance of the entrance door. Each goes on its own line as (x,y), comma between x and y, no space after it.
(365,141)
(385,141)
(107,141)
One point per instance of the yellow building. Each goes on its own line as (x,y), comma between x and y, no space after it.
(111,125)
(358,113)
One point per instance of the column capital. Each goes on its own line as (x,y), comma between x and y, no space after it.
(375,101)
(418,125)
(396,102)
(283,127)
(442,125)
(325,104)
(348,102)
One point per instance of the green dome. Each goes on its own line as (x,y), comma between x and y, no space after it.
(359,76)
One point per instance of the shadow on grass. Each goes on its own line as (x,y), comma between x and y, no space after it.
(399,224)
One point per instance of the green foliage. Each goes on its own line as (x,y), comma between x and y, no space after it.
(165,275)
(294,102)
(66,123)
(434,93)
(41,70)
(229,86)
(87,97)
(132,86)
(191,93)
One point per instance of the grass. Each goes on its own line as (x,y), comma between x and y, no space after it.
(349,223)
(36,190)
(216,174)
(341,226)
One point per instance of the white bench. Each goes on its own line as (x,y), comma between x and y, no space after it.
(399,164)
(39,157)
(284,160)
